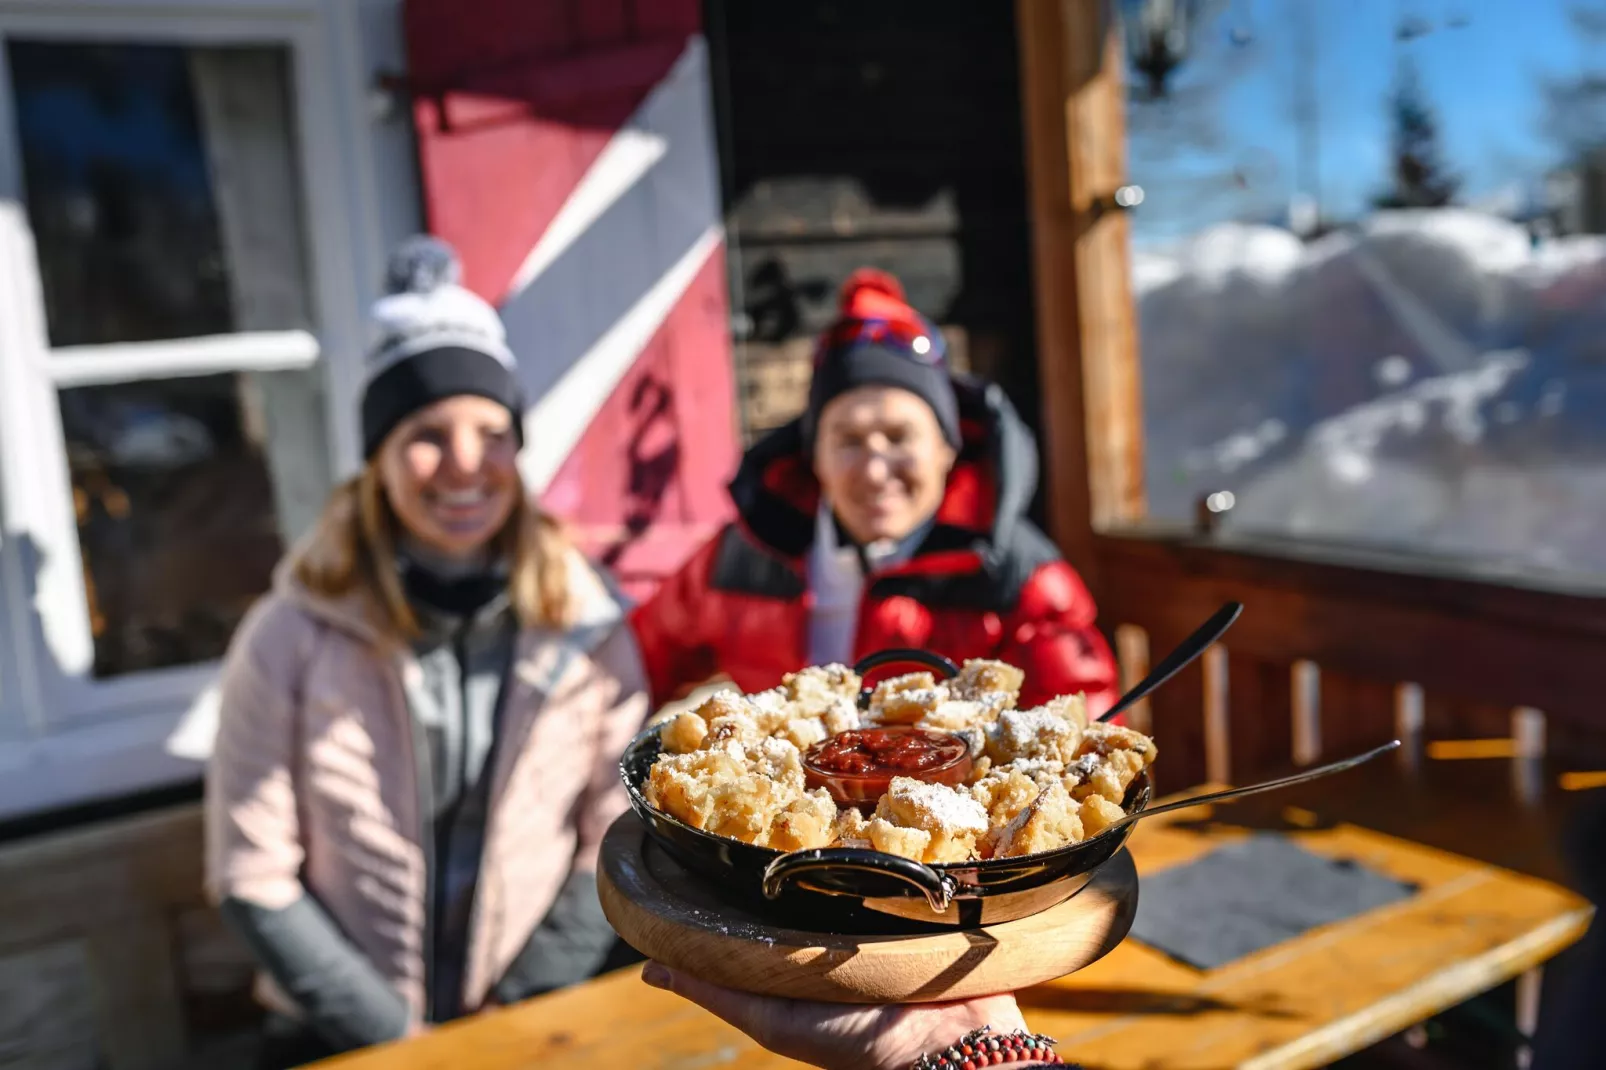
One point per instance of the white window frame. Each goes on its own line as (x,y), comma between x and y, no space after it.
(65,736)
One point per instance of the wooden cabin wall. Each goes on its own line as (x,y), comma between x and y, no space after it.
(884,134)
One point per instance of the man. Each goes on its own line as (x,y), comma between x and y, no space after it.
(890,514)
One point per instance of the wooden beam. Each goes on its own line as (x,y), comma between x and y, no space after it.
(1086,323)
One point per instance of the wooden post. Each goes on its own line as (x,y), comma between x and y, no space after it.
(1086,323)
(1217,716)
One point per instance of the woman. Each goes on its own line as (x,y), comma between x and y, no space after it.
(419,725)
(891,514)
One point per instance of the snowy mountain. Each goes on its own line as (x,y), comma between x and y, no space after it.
(1431,380)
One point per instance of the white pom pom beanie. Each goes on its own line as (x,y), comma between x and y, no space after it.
(436,340)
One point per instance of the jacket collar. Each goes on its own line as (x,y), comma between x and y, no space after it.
(598,607)
(777,496)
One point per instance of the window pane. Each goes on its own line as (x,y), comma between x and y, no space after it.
(176,514)
(131,155)
(1370,281)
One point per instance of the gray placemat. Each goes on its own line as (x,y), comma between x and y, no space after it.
(1247,896)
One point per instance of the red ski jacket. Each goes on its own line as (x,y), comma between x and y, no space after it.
(983,583)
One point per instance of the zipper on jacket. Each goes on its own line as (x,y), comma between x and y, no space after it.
(425,795)
(493,758)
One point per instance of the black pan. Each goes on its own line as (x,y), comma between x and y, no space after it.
(851,889)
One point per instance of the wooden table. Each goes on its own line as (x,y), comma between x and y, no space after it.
(1300,1004)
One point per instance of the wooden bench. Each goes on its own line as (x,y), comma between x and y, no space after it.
(109,954)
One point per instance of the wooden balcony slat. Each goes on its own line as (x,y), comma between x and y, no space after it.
(1459,638)
(1450,717)
(1176,711)
(1357,714)
(1260,714)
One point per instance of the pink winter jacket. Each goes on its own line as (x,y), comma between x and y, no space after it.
(314,781)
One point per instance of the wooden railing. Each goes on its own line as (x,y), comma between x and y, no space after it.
(1338,650)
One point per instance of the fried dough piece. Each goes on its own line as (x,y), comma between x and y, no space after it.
(682,733)
(1105,739)
(723,704)
(954,820)
(771,709)
(906,699)
(740,791)
(980,769)
(804,732)
(813,690)
(981,676)
(779,760)
(729,716)
(841,716)
(897,840)
(1004,795)
(850,824)
(958,715)
(1053,820)
(1098,814)
(1034,733)
(807,821)
(686,786)
(1108,777)
(746,807)
(1071,707)
(736,728)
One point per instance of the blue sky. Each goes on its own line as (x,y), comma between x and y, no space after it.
(1483,76)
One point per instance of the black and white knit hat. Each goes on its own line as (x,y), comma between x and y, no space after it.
(436,340)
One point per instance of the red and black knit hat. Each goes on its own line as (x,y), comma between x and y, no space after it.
(879,340)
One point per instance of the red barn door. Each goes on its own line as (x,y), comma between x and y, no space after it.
(567,151)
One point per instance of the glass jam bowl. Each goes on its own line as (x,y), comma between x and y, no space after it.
(857,766)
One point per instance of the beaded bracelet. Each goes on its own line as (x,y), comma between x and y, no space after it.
(977,1049)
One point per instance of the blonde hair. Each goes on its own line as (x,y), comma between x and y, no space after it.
(354,548)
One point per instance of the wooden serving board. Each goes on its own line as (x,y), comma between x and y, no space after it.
(674,917)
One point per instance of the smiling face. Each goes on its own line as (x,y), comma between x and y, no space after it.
(450,474)
(882,462)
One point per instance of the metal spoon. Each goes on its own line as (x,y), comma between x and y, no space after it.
(1256,789)
(1190,648)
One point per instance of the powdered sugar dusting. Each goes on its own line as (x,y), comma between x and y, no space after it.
(1017,729)
(949,809)
(771,701)
(1083,767)
(777,749)
(1033,766)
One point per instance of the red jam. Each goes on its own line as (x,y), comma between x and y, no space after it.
(857,767)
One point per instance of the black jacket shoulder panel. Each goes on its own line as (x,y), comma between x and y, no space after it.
(743,567)
(996,587)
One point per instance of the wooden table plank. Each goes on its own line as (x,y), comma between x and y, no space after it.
(1327,993)
(1299,1004)
(615,1020)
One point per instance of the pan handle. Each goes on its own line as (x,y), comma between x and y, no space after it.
(945,669)
(893,655)
(936,887)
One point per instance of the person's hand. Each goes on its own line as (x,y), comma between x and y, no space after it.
(415,1028)
(842,1036)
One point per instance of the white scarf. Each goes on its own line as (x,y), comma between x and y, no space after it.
(836,582)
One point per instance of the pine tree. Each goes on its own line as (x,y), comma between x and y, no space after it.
(1574,115)
(1419,179)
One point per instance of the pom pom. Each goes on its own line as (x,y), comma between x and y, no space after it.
(424,306)
(420,265)
(872,279)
